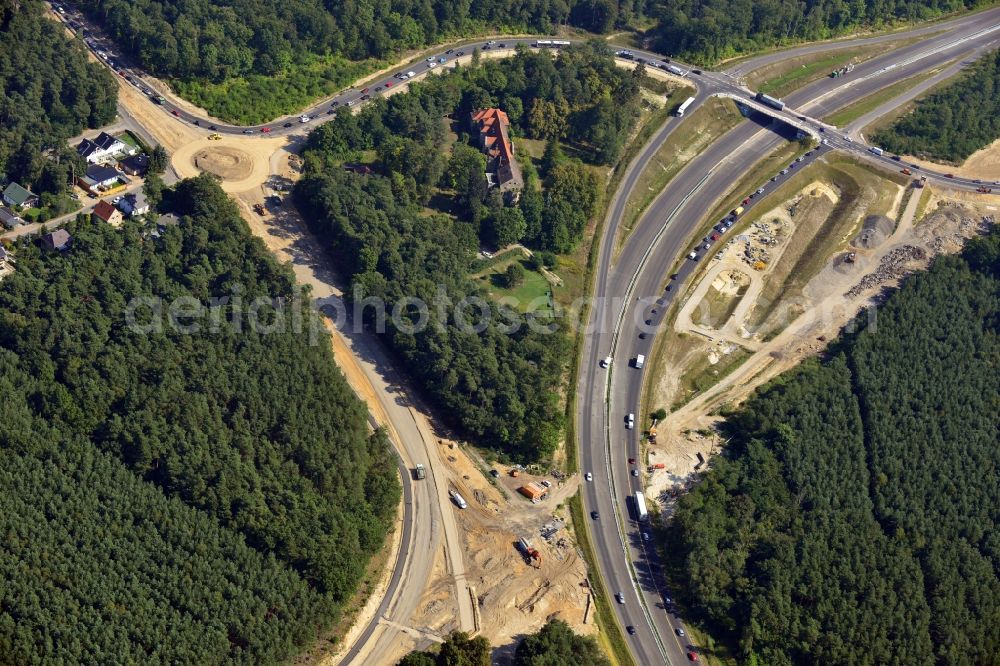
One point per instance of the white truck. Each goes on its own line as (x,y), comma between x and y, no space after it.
(458,499)
(640,361)
(684,107)
(420,472)
(875,150)
(640,507)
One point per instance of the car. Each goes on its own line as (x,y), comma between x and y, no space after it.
(431,59)
(631,461)
(714,237)
(667,600)
(896,158)
(487,47)
(977,181)
(642,336)
(808,154)
(501,45)
(365,98)
(848,139)
(707,246)
(679,631)
(949,175)
(692,656)
(378,89)
(304,118)
(331,112)
(588,477)
(606,362)
(630,629)
(798,159)
(74,196)
(495,474)
(630,421)
(450,51)
(760,190)
(746,201)
(212,127)
(460,53)
(594,515)
(287,125)
(431,65)
(335,104)
(635,472)
(248,131)
(196,123)
(696,71)
(176,113)
(388,84)
(442,60)
(364,91)
(619,597)
(774,179)
(645,536)
(265,130)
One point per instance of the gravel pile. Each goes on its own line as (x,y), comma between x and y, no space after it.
(889,268)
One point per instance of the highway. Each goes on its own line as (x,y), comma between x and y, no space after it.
(627,293)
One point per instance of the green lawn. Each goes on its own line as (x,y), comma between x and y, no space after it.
(533,294)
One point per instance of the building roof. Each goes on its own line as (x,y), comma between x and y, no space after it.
(8,217)
(103,210)
(137,162)
(100,174)
(102,143)
(132,202)
(57,240)
(16,194)
(492,125)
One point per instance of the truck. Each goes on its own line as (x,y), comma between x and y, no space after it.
(772,102)
(640,361)
(530,554)
(419,472)
(674,69)
(737,211)
(684,106)
(875,150)
(640,507)
(458,499)
(657,466)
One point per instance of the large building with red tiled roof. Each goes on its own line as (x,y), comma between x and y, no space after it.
(502,171)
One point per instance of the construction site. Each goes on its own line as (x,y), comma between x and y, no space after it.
(786,283)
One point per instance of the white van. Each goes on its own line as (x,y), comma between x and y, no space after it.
(606,362)
(630,423)
(640,361)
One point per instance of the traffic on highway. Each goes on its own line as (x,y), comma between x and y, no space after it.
(636,283)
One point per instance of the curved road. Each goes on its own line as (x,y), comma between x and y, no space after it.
(627,292)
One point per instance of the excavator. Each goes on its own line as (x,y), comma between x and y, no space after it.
(531,555)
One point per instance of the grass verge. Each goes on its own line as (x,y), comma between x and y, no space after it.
(611,638)
(925,199)
(851,112)
(713,119)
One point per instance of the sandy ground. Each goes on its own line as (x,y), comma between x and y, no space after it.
(688,432)
(984,164)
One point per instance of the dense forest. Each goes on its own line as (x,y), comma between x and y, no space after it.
(216,479)
(854,518)
(555,644)
(706,31)
(952,123)
(394,239)
(48,93)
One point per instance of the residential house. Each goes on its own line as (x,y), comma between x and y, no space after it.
(133,205)
(135,165)
(502,170)
(56,240)
(108,213)
(4,257)
(9,218)
(15,195)
(101,179)
(102,148)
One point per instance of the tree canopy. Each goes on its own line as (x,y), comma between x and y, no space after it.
(951,123)
(414,225)
(215,476)
(48,93)
(853,519)
(710,30)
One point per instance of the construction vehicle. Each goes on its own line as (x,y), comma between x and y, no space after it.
(514,473)
(651,468)
(214,137)
(419,472)
(850,258)
(531,555)
(759,265)
(258,208)
(458,499)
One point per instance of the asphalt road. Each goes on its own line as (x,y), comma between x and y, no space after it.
(629,292)
(626,292)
